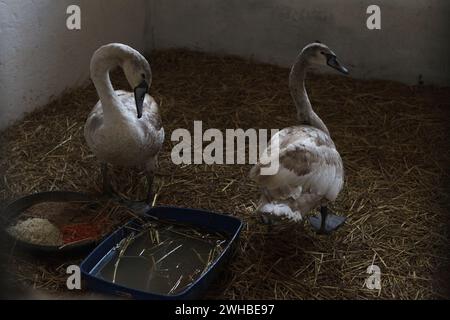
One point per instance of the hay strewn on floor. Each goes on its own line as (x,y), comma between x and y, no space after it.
(394,141)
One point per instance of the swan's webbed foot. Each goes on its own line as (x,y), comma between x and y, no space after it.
(266,219)
(140,208)
(326,222)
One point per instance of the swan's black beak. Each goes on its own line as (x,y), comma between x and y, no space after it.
(139,95)
(332,62)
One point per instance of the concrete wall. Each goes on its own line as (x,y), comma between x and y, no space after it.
(40,57)
(413,40)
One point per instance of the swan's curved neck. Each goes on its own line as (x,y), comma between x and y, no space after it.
(305,112)
(101,65)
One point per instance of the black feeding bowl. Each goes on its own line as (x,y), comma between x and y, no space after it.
(14,210)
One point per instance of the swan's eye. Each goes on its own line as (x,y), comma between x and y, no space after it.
(321,52)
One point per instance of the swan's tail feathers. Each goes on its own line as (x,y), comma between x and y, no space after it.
(280,209)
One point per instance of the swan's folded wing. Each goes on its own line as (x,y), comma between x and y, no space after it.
(93,122)
(152,112)
(308,163)
(151,115)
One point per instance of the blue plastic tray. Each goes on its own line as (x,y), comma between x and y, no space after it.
(208,221)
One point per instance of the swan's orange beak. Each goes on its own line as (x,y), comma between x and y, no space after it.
(139,95)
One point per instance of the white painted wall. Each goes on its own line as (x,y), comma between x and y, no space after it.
(414,38)
(40,57)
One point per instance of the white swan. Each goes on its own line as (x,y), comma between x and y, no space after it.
(124,128)
(311,172)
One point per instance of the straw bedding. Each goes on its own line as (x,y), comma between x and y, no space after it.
(393,139)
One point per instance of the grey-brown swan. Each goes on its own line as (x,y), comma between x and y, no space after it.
(311,172)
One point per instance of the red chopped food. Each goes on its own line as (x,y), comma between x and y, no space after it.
(78,232)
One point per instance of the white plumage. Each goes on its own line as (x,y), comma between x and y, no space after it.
(126,140)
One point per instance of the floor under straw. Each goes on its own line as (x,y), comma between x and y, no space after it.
(394,141)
